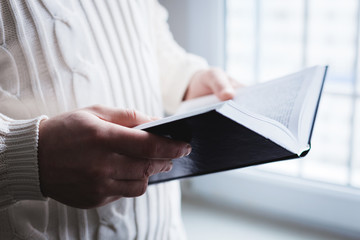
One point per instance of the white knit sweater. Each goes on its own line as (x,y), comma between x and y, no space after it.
(58,55)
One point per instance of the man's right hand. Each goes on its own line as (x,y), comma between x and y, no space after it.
(90,157)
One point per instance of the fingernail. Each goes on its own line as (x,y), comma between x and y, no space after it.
(187,150)
(169,167)
(228,93)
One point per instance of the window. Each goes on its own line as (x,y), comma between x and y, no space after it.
(266,39)
(258,40)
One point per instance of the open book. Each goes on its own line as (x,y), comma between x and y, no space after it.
(265,122)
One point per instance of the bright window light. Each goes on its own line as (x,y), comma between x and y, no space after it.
(267,39)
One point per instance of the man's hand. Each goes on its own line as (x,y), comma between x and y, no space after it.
(92,156)
(211,81)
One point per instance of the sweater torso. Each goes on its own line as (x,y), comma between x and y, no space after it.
(61,55)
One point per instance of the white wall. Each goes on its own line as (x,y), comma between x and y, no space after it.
(198,26)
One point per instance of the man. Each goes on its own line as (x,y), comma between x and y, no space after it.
(71,166)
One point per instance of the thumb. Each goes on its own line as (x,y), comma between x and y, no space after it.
(125,117)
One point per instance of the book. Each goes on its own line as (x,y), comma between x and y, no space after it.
(265,122)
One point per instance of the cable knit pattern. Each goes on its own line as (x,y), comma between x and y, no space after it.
(59,55)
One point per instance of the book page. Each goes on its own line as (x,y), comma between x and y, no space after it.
(281,99)
(274,100)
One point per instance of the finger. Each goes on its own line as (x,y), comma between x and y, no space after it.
(141,144)
(124,117)
(221,85)
(126,168)
(130,188)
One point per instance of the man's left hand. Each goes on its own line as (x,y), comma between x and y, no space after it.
(211,81)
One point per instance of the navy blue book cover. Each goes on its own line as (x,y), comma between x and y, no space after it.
(218,144)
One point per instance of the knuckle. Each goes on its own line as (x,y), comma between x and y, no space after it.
(142,188)
(137,189)
(95,108)
(213,72)
(76,117)
(131,114)
(149,169)
(80,121)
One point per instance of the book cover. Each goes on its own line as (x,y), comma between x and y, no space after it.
(252,129)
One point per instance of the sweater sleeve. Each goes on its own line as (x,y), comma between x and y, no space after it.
(19,178)
(176,66)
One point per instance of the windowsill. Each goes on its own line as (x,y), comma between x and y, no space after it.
(211,222)
(321,206)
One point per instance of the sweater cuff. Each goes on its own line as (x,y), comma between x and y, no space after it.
(21,176)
